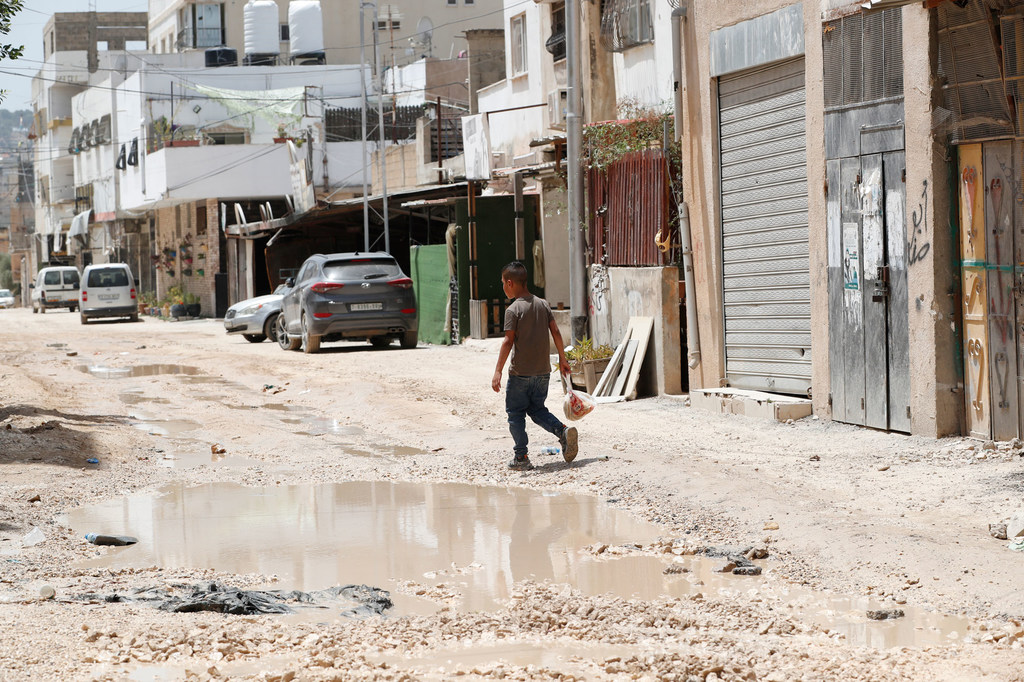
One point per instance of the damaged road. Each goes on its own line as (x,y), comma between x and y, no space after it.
(844,524)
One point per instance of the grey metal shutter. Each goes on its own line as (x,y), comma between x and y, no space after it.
(766,270)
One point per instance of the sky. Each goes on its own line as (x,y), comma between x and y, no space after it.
(27,29)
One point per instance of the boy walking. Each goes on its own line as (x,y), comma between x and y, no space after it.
(527,323)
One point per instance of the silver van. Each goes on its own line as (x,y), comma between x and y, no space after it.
(108,290)
(55,287)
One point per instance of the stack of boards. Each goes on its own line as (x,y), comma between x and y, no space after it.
(618,381)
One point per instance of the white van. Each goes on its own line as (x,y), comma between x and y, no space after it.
(108,290)
(55,287)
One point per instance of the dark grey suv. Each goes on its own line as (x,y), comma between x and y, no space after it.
(347,296)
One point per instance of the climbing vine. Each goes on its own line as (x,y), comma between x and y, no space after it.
(640,128)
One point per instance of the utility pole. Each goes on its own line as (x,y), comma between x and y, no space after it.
(380,128)
(574,142)
(362,82)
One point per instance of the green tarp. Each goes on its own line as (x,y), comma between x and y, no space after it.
(429,272)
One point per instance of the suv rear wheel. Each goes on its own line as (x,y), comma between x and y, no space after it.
(310,342)
(283,338)
(409,339)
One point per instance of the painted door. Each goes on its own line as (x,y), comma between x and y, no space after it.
(868,307)
(971,183)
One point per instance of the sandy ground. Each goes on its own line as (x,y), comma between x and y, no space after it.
(902,520)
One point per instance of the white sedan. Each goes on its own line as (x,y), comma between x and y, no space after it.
(6,298)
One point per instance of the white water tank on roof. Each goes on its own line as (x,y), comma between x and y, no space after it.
(261,31)
(305,27)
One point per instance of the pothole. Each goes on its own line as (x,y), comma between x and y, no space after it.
(453,545)
(107,372)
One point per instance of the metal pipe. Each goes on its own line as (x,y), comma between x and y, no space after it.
(362,89)
(685,242)
(574,143)
(517,189)
(380,133)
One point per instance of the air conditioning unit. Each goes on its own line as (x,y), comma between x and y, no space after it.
(558,104)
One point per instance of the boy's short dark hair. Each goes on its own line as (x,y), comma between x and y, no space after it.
(515,272)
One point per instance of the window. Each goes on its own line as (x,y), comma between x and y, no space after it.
(362,269)
(202,25)
(51,278)
(200,221)
(625,24)
(556,43)
(518,44)
(71,277)
(453,2)
(225,138)
(285,33)
(108,277)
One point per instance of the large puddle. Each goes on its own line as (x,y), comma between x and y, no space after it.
(456,545)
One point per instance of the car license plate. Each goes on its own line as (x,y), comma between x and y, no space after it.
(365,306)
(108,297)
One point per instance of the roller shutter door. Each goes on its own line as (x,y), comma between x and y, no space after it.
(766,270)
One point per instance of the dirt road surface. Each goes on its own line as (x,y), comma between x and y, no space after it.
(841,520)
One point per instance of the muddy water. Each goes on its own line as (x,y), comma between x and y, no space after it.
(465,545)
(314,536)
(108,372)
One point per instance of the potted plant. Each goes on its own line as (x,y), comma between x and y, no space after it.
(177,299)
(282,134)
(192,305)
(583,356)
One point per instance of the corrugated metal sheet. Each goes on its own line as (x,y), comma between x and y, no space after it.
(766,282)
(629,206)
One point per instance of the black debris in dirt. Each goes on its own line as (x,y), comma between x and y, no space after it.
(885,614)
(361,601)
(747,570)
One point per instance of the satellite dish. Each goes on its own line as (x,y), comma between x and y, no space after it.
(424,31)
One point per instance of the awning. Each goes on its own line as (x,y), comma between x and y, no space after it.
(80,225)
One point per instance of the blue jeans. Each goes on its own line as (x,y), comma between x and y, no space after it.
(525,396)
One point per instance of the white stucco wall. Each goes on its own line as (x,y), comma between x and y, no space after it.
(644,73)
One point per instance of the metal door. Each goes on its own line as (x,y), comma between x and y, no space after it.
(868,306)
(763,201)
(1000,203)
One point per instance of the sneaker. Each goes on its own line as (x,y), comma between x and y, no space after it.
(520,464)
(570,443)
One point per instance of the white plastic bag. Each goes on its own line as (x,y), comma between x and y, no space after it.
(33,537)
(577,404)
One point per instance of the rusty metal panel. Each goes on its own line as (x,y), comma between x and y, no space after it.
(836,326)
(1002,356)
(854,381)
(975,289)
(874,295)
(629,206)
(899,303)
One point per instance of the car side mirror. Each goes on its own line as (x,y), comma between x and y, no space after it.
(136,282)
(290,282)
(31,286)
(76,285)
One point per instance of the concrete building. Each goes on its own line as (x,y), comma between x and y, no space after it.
(327,31)
(627,61)
(81,49)
(820,209)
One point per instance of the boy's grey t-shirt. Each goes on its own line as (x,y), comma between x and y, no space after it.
(529,317)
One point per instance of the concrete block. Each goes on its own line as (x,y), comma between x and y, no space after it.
(751,403)
(1015,526)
